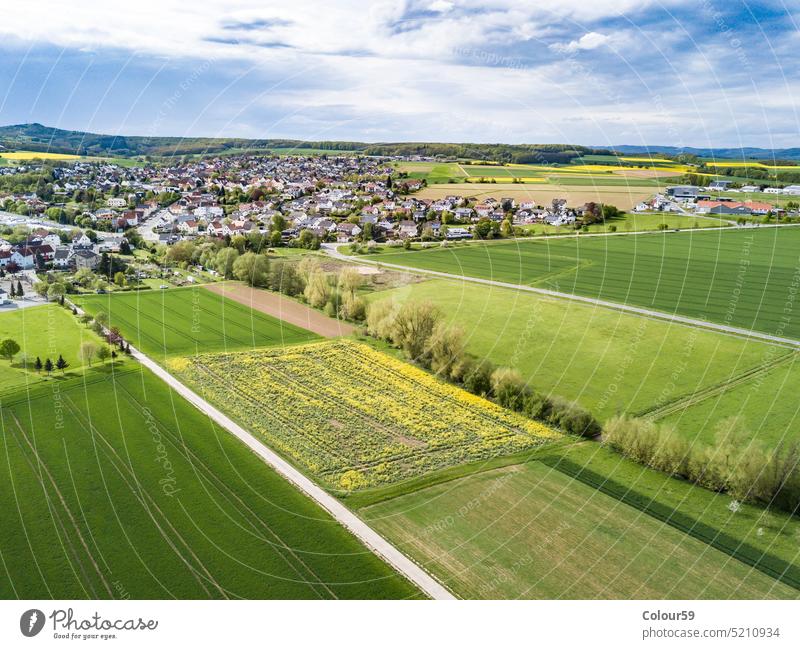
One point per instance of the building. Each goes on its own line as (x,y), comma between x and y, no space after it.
(683,192)
(86,259)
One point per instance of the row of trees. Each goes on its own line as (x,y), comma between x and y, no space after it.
(420,329)
(733,464)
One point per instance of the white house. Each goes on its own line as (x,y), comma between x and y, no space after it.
(116,202)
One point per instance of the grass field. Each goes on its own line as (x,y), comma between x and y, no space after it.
(355,417)
(118,488)
(608,361)
(532,531)
(44,331)
(745,278)
(189,321)
(634,222)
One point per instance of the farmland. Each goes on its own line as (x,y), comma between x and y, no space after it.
(532,531)
(355,417)
(608,361)
(745,278)
(119,489)
(188,321)
(44,331)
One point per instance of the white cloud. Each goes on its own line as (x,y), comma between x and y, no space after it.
(440,6)
(589,41)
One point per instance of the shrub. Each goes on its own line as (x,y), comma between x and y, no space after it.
(509,388)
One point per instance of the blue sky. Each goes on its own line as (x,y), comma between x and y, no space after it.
(601,72)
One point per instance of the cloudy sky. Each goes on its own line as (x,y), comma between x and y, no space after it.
(598,72)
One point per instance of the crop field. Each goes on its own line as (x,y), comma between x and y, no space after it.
(115,487)
(609,361)
(766,404)
(44,331)
(745,278)
(623,196)
(42,155)
(355,417)
(532,531)
(189,321)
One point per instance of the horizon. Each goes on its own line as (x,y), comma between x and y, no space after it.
(435,71)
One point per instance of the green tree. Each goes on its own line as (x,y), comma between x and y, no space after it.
(61,363)
(9,348)
(87,352)
(38,365)
(48,366)
(119,279)
(252,268)
(103,353)
(224,262)
(318,290)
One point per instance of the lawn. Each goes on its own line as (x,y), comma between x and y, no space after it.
(531,531)
(355,417)
(609,361)
(118,488)
(190,320)
(44,331)
(634,222)
(746,278)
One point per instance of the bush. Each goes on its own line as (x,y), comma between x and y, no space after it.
(572,418)
(509,388)
(478,378)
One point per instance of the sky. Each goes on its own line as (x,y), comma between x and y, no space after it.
(696,73)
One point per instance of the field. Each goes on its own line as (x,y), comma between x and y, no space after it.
(189,321)
(532,531)
(355,417)
(745,278)
(118,488)
(42,155)
(765,403)
(609,361)
(634,222)
(624,197)
(44,331)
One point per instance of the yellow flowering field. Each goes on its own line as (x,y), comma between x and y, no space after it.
(356,417)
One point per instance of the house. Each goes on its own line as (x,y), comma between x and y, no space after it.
(82,242)
(215,229)
(61,258)
(347,231)
(116,202)
(188,227)
(407,229)
(683,192)
(458,233)
(86,259)
(719,185)
(4,299)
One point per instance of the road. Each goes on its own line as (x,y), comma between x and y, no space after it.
(332,250)
(374,541)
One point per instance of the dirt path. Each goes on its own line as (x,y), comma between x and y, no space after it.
(282,307)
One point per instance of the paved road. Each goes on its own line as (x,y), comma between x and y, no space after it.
(342,514)
(332,249)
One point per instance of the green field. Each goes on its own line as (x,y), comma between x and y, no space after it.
(189,321)
(609,361)
(43,331)
(119,488)
(533,531)
(745,278)
(633,222)
(766,403)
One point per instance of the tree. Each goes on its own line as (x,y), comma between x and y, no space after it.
(12,292)
(38,365)
(413,325)
(48,366)
(61,363)
(20,291)
(252,268)
(103,353)
(87,352)
(101,318)
(317,289)
(125,248)
(56,291)
(119,279)
(224,261)
(349,281)
(445,349)
(9,348)
(284,277)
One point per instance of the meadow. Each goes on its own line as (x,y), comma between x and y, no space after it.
(189,321)
(355,417)
(44,331)
(745,278)
(534,531)
(608,361)
(115,487)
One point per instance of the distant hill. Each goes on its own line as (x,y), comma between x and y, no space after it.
(36,137)
(744,153)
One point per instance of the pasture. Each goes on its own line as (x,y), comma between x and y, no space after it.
(609,361)
(745,277)
(119,488)
(355,417)
(533,531)
(189,321)
(44,331)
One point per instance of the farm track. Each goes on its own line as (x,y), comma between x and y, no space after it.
(685,401)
